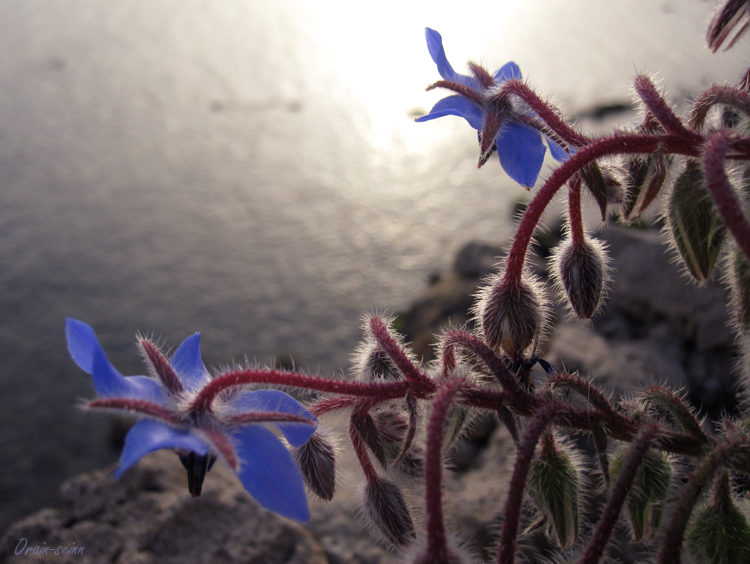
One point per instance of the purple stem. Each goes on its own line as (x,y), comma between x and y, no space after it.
(617,144)
(524,455)
(633,460)
(437,542)
(398,356)
(675,531)
(721,190)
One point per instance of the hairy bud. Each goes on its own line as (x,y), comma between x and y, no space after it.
(386,508)
(553,485)
(581,270)
(645,179)
(719,532)
(647,498)
(696,227)
(603,185)
(317,461)
(372,363)
(511,315)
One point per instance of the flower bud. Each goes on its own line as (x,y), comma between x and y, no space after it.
(696,227)
(603,185)
(645,179)
(317,461)
(386,508)
(372,364)
(511,316)
(719,532)
(581,269)
(553,485)
(647,498)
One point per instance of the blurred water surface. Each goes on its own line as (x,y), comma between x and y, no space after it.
(250,169)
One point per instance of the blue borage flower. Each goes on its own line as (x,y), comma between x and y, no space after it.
(231,426)
(502,127)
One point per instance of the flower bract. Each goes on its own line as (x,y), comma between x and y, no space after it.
(232,425)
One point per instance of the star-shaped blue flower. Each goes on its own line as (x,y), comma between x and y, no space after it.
(230,425)
(510,131)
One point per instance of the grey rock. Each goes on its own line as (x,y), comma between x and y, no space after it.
(149,517)
(649,286)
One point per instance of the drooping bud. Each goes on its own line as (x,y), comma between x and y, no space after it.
(581,268)
(372,363)
(394,431)
(317,461)
(696,227)
(365,426)
(386,508)
(603,185)
(645,179)
(719,532)
(647,499)
(511,314)
(553,484)
(739,279)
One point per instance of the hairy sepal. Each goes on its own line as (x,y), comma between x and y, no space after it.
(696,227)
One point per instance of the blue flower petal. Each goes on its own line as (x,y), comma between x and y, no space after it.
(456,106)
(275,401)
(188,364)
(109,383)
(82,343)
(88,353)
(521,152)
(435,47)
(268,472)
(149,435)
(508,71)
(557,152)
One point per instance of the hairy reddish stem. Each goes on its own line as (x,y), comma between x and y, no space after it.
(547,113)
(138,406)
(675,531)
(437,542)
(722,192)
(525,454)
(617,144)
(575,217)
(361,451)
(203,401)
(633,460)
(394,351)
(658,107)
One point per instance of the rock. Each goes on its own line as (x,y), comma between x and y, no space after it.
(648,286)
(149,517)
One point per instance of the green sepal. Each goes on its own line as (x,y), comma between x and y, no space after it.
(647,498)
(718,532)
(553,484)
(695,224)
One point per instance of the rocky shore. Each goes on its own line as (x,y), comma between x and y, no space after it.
(656,327)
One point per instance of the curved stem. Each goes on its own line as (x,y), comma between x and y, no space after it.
(675,531)
(722,192)
(547,113)
(437,542)
(656,104)
(524,456)
(633,460)
(204,400)
(575,217)
(617,144)
(394,351)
